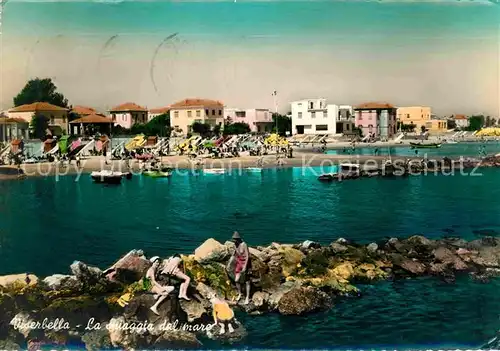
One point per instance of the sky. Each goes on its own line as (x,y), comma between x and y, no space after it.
(443,54)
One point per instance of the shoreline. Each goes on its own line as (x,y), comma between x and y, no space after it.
(183,163)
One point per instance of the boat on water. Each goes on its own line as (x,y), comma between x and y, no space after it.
(214,171)
(254,169)
(425,146)
(107,177)
(158,173)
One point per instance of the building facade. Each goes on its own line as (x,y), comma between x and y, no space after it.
(258,119)
(461,121)
(376,119)
(155,112)
(13,128)
(345,120)
(57,116)
(314,116)
(414,115)
(188,111)
(128,114)
(436,126)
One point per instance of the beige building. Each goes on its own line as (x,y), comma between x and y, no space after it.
(421,116)
(186,112)
(155,112)
(417,115)
(56,115)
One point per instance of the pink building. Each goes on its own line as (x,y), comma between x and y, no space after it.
(128,114)
(259,119)
(377,119)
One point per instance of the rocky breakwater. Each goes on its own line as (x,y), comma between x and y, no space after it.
(111,308)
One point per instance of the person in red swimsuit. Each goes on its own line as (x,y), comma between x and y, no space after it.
(240,260)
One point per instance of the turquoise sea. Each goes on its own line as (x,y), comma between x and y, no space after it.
(46,223)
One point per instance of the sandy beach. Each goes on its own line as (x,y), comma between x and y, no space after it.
(300,159)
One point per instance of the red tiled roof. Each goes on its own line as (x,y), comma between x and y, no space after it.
(460,117)
(374,106)
(186,103)
(6,120)
(83,110)
(37,106)
(128,106)
(160,110)
(92,119)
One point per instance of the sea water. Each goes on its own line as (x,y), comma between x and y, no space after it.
(47,223)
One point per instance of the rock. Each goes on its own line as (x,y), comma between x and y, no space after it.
(97,340)
(238,334)
(9,345)
(130,268)
(343,272)
(21,322)
(204,290)
(170,309)
(392,241)
(338,248)
(194,310)
(260,299)
(277,293)
(413,267)
(342,241)
(291,258)
(120,337)
(308,244)
(302,300)
(211,250)
(373,247)
(62,282)
(177,340)
(462,251)
(419,240)
(18,280)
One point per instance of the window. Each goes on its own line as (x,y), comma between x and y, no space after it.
(213,112)
(198,113)
(299,104)
(206,112)
(220,112)
(311,105)
(325,114)
(313,114)
(189,114)
(64,119)
(321,127)
(300,114)
(51,119)
(176,114)
(407,115)
(113,117)
(241,114)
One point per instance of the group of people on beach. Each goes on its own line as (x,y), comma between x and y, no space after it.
(238,269)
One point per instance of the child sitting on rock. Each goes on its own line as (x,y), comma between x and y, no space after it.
(222,313)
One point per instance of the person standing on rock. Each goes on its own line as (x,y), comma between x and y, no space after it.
(171,268)
(160,292)
(240,260)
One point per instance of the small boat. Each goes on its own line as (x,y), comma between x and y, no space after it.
(425,146)
(214,171)
(106,177)
(328,177)
(254,169)
(158,173)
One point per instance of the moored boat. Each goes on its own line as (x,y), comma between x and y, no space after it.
(425,146)
(107,177)
(254,169)
(214,171)
(158,173)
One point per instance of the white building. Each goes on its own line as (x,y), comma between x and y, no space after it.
(315,116)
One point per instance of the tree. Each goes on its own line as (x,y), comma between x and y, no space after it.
(476,122)
(236,128)
(216,130)
(451,124)
(201,128)
(39,125)
(160,125)
(284,124)
(40,90)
